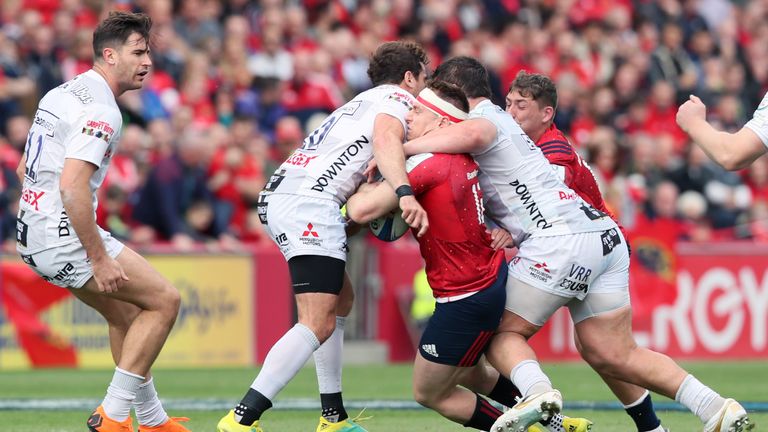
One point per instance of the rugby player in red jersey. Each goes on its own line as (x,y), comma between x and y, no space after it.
(532,102)
(466,273)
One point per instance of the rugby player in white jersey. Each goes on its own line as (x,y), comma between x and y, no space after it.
(569,254)
(733,151)
(299,208)
(74,134)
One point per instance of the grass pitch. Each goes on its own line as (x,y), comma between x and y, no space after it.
(744,381)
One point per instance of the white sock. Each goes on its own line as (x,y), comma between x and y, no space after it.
(328,360)
(700,399)
(529,378)
(285,359)
(120,394)
(659,429)
(149,410)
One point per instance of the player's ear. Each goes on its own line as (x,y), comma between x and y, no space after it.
(109,55)
(549,114)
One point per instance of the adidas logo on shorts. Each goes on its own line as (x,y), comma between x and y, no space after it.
(430,349)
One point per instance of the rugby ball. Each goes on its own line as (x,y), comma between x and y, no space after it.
(389,227)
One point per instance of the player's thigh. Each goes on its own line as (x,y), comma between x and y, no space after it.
(432,380)
(606,336)
(458,333)
(118,313)
(145,287)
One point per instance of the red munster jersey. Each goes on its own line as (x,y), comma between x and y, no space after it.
(456,247)
(578,176)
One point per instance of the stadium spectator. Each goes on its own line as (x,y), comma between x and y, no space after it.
(176,185)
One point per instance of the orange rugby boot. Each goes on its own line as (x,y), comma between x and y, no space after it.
(172,425)
(99,422)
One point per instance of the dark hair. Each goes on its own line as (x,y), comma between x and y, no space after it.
(537,87)
(117,28)
(450,93)
(392,60)
(467,73)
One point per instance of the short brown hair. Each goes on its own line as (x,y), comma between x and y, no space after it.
(450,93)
(392,60)
(117,28)
(537,87)
(467,73)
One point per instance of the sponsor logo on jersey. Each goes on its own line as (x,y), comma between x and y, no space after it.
(65,274)
(281,239)
(568,195)
(591,212)
(40,121)
(527,201)
(32,197)
(540,271)
(610,240)
(577,279)
(471,175)
(100,125)
(64,230)
(22,230)
(299,159)
(82,94)
(96,133)
(310,237)
(403,98)
(338,165)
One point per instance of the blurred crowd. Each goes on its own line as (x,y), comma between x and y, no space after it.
(237,84)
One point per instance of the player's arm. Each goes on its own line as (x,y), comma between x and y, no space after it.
(76,197)
(388,135)
(733,151)
(469,136)
(21,169)
(371,200)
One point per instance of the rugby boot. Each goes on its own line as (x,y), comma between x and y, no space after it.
(561,423)
(348,425)
(732,417)
(172,425)
(99,422)
(229,424)
(529,411)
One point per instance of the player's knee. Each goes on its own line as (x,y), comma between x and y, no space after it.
(323,329)
(604,361)
(168,301)
(425,397)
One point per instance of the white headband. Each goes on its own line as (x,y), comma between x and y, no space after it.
(439,106)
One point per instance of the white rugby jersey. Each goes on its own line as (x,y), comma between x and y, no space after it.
(331,161)
(759,122)
(78,120)
(522,191)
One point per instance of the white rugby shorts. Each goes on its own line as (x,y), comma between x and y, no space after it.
(67,265)
(304,226)
(573,266)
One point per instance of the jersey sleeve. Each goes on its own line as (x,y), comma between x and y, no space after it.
(91,133)
(558,152)
(397,104)
(425,172)
(759,122)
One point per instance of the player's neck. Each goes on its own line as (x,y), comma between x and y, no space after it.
(474,101)
(112,83)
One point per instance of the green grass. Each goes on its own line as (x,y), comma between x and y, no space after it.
(744,381)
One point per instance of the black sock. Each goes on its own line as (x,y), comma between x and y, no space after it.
(484,416)
(644,415)
(504,392)
(333,407)
(252,407)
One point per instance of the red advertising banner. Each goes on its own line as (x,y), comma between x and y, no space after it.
(712,303)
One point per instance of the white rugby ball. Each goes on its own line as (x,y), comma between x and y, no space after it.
(389,227)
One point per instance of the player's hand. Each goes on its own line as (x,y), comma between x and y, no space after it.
(109,274)
(414,214)
(501,238)
(693,109)
(371,170)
